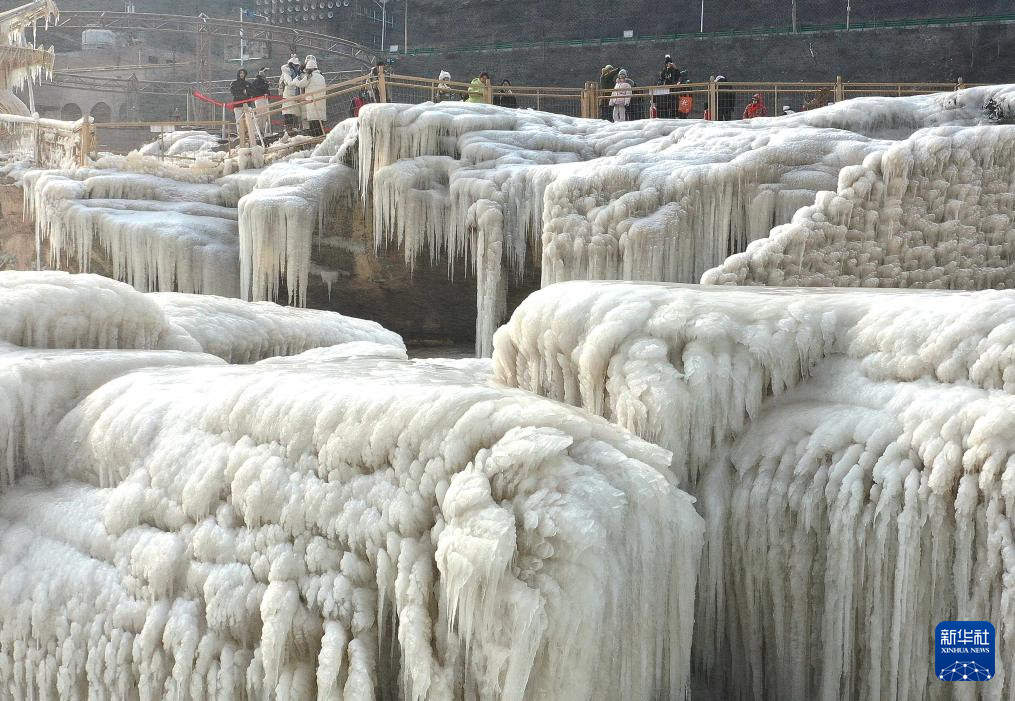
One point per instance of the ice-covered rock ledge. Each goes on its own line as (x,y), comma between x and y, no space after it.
(60,310)
(352,529)
(662,200)
(851,450)
(934,211)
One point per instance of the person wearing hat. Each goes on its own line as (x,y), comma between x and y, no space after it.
(670,75)
(756,107)
(607,80)
(260,90)
(443,91)
(314,86)
(621,97)
(289,88)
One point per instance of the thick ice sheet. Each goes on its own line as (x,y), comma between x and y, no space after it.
(356,529)
(246,332)
(59,310)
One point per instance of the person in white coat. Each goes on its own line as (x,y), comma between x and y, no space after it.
(314,86)
(289,86)
(621,97)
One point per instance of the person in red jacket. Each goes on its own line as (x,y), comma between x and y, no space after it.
(756,107)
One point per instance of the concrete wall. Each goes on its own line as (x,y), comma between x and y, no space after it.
(933,54)
(442,23)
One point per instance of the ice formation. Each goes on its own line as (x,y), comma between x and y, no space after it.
(936,210)
(182,143)
(59,310)
(22,62)
(164,227)
(657,200)
(246,332)
(158,233)
(358,528)
(290,202)
(39,387)
(850,449)
(514,190)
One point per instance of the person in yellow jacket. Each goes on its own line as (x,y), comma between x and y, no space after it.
(477,88)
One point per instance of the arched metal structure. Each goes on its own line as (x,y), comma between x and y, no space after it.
(311,42)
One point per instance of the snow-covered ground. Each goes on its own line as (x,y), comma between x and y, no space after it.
(342,523)
(851,451)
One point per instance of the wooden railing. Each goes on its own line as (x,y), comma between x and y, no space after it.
(56,144)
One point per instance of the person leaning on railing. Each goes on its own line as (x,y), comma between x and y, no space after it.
(477,88)
(504,97)
(443,92)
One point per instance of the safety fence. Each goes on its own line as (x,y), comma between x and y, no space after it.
(55,144)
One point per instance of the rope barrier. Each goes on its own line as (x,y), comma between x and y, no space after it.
(230,105)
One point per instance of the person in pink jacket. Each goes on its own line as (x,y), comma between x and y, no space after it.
(621,97)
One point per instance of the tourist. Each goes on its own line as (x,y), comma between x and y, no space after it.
(756,107)
(314,86)
(260,90)
(289,88)
(607,80)
(725,99)
(636,110)
(669,75)
(240,90)
(443,91)
(621,97)
(478,86)
(375,74)
(504,97)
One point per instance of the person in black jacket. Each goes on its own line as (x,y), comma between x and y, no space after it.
(669,75)
(607,79)
(504,97)
(240,90)
(725,100)
(259,90)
